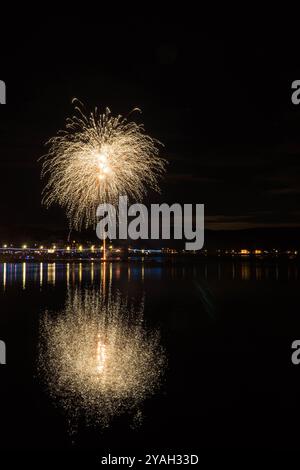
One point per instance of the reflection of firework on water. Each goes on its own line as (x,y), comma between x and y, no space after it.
(97,158)
(97,358)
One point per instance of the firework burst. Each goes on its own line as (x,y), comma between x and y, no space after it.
(96,159)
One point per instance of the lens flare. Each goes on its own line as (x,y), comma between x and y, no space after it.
(97,358)
(94,160)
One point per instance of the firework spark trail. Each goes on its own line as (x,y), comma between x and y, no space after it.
(97,358)
(95,160)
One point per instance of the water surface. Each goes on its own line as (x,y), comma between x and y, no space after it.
(225,327)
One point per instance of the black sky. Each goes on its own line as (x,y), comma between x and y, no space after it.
(221,104)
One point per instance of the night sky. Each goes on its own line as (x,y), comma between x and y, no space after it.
(221,104)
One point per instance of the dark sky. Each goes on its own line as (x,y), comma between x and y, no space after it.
(221,104)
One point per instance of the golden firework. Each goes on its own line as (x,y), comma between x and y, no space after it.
(96,159)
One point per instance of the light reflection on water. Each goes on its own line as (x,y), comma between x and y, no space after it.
(97,358)
(93,273)
(4,269)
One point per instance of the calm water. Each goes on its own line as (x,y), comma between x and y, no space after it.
(225,330)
